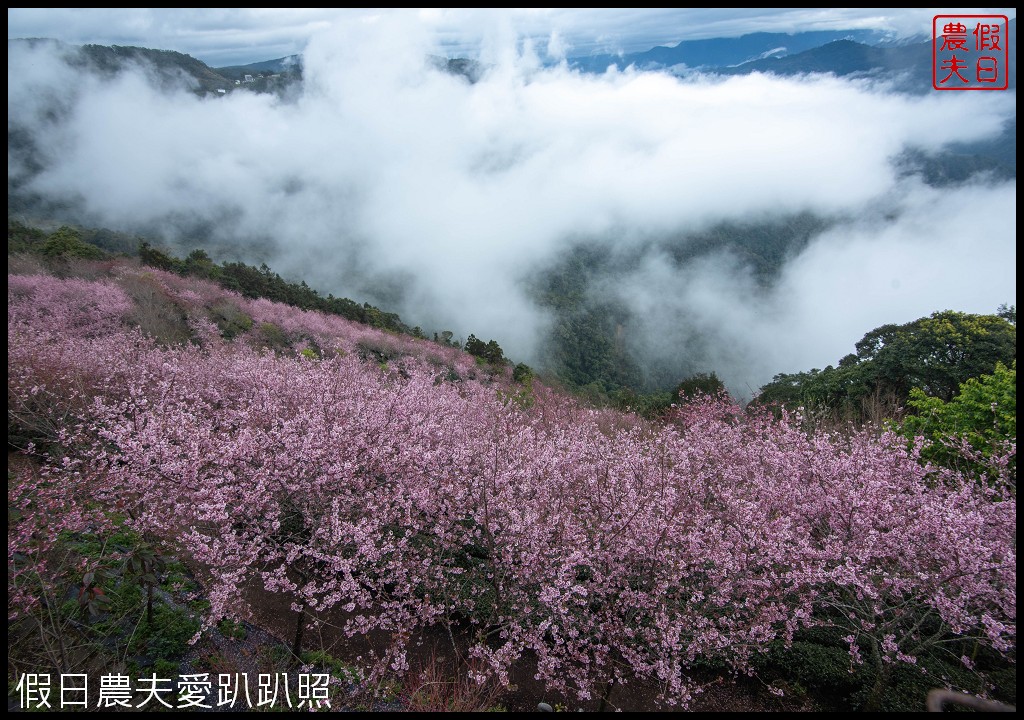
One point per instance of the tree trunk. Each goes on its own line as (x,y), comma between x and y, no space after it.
(882,672)
(607,694)
(300,624)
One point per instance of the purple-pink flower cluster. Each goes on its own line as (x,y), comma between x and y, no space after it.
(600,546)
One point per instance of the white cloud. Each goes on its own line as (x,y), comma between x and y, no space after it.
(388,170)
(919,251)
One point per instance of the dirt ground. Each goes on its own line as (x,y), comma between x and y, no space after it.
(433,658)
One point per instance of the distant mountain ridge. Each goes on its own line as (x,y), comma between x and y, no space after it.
(726,52)
(910,64)
(842,52)
(289,63)
(168,67)
(906,61)
(846,57)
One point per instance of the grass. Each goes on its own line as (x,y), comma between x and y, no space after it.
(435,686)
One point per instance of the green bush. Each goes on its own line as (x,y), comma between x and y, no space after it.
(169,634)
(983,413)
(66,242)
(232,629)
(231,321)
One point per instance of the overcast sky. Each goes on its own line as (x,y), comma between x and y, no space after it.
(227,36)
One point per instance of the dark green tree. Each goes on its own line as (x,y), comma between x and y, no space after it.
(699,384)
(490,351)
(66,242)
(522,373)
(199,264)
(983,413)
(22,238)
(1007,312)
(475,346)
(935,354)
(157,258)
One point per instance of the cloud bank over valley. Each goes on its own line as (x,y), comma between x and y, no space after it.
(388,180)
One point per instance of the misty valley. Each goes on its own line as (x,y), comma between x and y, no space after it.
(682,378)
